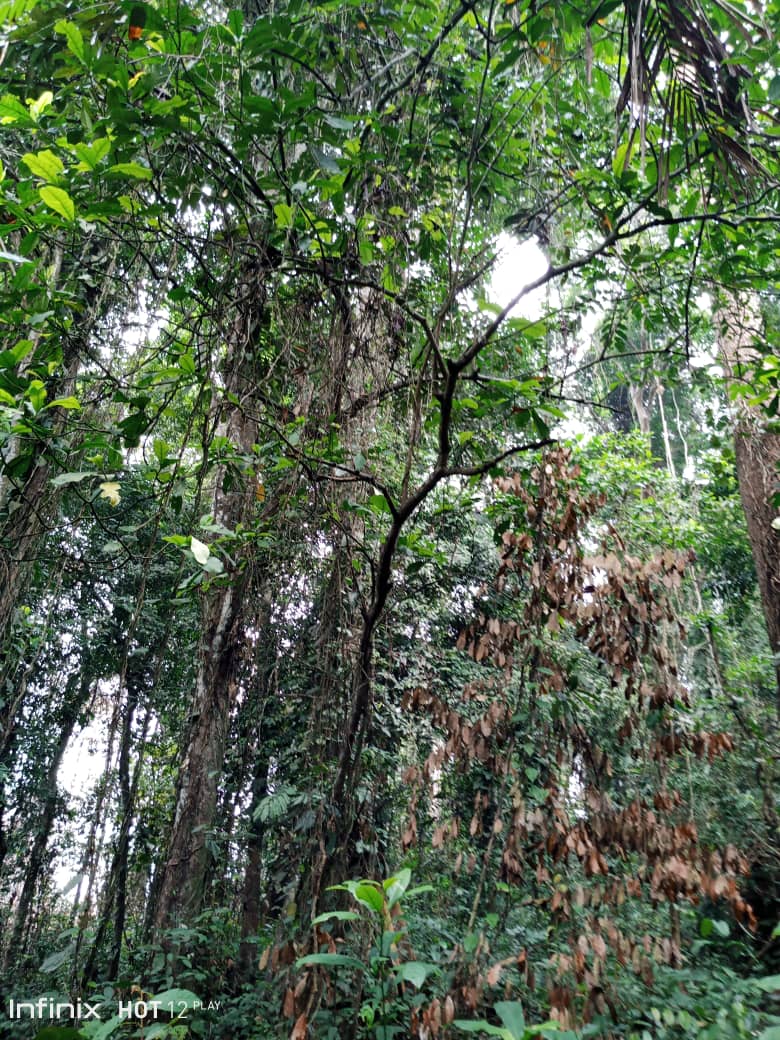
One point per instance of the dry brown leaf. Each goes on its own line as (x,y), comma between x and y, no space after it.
(300,1028)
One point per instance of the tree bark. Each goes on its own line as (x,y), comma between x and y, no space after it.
(757,452)
(250,897)
(183,881)
(75,698)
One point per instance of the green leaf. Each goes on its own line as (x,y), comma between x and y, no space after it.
(131,169)
(395,886)
(45,164)
(177,1000)
(338,123)
(73,36)
(91,154)
(774,89)
(284,215)
(483,1027)
(101,1030)
(327,163)
(415,972)
(236,22)
(619,160)
(418,889)
(276,804)
(773,1033)
(56,960)
(40,104)
(332,960)
(70,478)
(769,983)
(370,896)
(511,1014)
(65,402)
(13,111)
(36,394)
(378,504)
(58,200)
(336,915)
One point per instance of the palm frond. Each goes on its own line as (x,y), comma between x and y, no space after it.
(681,74)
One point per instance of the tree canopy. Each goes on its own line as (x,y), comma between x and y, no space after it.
(389,538)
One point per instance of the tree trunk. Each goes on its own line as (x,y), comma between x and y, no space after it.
(757,452)
(75,698)
(182,884)
(250,898)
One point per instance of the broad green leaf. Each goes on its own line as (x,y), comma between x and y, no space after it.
(773,1033)
(330,960)
(161,449)
(58,200)
(369,895)
(101,1030)
(65,402)
(511,1014)
(70,478)
(200,551)
(327,163)
(40,104)
(619,160)
(91,154)
(338,123)
(56,960)
(131,169)
(774,89)
(483,1027)
(378,504)
(73,35)
(13,111)
(418,890)
(769,983)
(236,22)
(45,164)
(36,394)
(336,915)
(176,1000)
(415,972)
(395,886)
(284,215)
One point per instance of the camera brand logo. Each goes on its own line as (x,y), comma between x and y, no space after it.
(45,1007)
